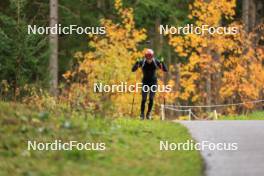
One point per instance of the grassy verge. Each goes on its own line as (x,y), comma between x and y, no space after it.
(257,115)
(132,146)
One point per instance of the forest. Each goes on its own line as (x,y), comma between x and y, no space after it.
(204,69)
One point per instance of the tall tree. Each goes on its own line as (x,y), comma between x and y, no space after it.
(109,63)
(225,66)
(23,56)
(53,39)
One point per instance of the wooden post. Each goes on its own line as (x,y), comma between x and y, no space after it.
(215,115)
(190,114)
(162,112)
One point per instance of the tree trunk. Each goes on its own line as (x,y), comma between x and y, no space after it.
(169,57)
(53,40)
(259,21)
(252,14)
(158,37)
(245,13)
(101,5)
(259,12)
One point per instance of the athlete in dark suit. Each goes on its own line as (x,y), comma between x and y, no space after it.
(149,65)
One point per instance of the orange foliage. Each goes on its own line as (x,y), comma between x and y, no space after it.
(230,65)
(110,63)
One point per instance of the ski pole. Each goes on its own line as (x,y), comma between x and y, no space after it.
(131,113)
(164,99)
(134,94)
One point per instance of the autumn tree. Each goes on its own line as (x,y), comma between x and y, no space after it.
(218,68)
(109,63)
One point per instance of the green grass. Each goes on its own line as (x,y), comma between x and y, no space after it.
(132,146)
(257,115)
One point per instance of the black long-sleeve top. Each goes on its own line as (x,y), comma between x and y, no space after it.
(149,69)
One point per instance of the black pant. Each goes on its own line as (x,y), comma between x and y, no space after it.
(151,93)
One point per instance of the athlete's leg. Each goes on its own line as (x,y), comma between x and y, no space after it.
(151,100)
(143,102)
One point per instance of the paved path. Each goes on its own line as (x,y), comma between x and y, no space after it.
(248,160)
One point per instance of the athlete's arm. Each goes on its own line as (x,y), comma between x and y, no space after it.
(162,66)
(135,66)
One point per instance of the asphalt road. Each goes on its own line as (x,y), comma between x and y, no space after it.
(247,160)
